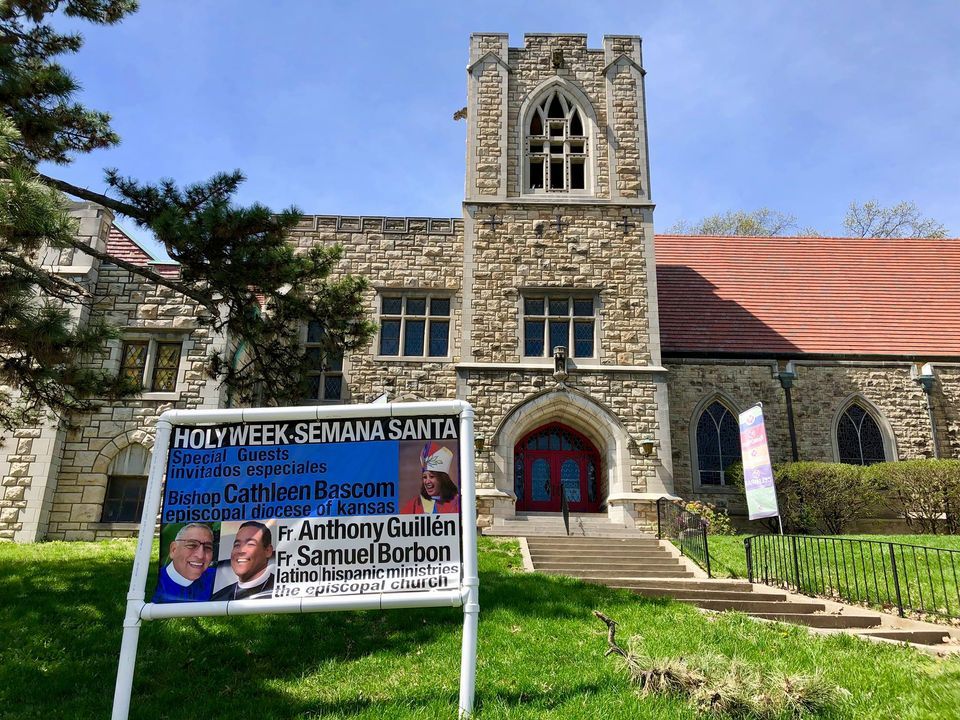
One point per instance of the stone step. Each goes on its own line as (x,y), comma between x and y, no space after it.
(558,518)
(822,621)
(543,555)
(591,576)
(574,522)
(685,594)
(595,543)
(920,637)
(507,531)
(674,585)
(756,607)
(597,557)
(631,568)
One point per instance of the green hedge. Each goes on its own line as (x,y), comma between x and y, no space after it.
(925,493)
(827,497)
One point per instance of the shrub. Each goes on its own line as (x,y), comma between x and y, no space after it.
(824,497)
(717,519)
(926,493)
(818,496)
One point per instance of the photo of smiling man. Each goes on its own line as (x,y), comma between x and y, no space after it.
(189,575)
(251,564)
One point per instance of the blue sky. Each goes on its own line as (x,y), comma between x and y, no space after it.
(346,108)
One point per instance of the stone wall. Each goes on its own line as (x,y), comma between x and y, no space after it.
(32,454)
(946,403)
(142,310)
(591,254)
(531,66)
(397,254)
(820,391)
(692,386)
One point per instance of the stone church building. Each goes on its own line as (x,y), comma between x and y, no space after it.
(601,359)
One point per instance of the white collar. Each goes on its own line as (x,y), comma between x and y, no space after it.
(257,580)
(177,577)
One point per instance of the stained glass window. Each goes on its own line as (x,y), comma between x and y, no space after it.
(152,364)
(325,367)
(540,480)
(416,326)
(591,481)
(551,320)
(134,360)
(718,444)
(570,479)
(859,440)
(554,438)
(518,487)
(166,366)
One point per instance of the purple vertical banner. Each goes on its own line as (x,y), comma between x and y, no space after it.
(757,471)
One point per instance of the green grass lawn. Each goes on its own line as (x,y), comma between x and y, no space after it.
(728,559)
(540,652)
(927,580)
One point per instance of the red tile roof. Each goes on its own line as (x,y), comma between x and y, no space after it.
(793,296)
(124,247)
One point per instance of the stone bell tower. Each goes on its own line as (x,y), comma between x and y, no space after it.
(559,260)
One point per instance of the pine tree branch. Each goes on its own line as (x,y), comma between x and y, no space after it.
(131,211)
(59,287)
(182,288)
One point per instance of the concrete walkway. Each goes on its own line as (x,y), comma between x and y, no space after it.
(654,568)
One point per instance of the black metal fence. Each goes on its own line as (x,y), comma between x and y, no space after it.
(687,529)
(910,578)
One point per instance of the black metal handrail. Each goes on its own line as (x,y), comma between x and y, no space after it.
(687,529)
(911,578)
(565,508)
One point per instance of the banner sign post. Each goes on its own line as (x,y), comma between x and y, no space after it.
(308,509)
(757,471)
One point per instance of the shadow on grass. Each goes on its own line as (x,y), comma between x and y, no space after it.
(60,627)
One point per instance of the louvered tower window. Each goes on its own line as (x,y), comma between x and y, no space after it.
(557,146)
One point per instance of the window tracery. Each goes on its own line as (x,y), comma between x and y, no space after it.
(556,145)
(718,444)
(859,438)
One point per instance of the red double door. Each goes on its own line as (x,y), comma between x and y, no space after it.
(555,458)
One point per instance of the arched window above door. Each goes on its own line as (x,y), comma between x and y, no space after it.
(553,461)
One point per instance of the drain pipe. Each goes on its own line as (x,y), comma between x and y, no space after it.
(786,378)
(927,378)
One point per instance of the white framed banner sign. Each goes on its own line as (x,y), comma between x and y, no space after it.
(308,509)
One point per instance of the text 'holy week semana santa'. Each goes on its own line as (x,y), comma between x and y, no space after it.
(264,470)
(315,431)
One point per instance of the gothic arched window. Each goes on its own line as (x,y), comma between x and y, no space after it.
(718,443)
(859,438)
(556,145)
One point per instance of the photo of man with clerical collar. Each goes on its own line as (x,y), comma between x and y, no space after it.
(189,574)
(251,564)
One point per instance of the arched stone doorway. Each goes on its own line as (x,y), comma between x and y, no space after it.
(554,459)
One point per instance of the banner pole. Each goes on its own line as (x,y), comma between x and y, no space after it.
(471,581)
(138,578)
